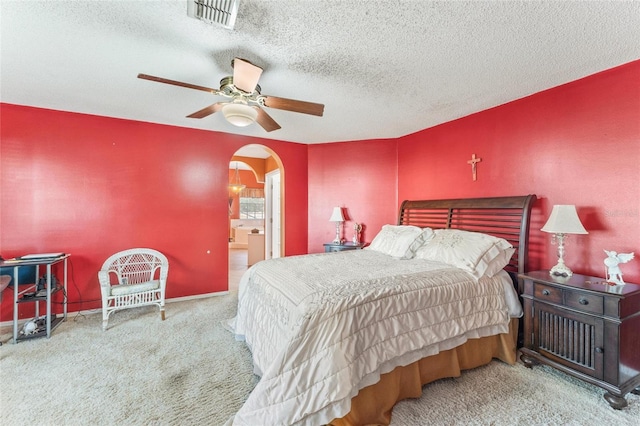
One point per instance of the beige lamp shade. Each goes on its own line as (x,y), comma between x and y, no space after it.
(336,216)
(564,220)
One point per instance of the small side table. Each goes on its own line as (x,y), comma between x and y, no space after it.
(586,328)
(333,247)
(31,293)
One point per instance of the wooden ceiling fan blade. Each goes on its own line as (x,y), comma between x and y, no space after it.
(177,83)
(265,120)
(294,105)
(245,75)
(204,112)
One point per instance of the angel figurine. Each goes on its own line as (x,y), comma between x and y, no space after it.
(614,274)
(357,228)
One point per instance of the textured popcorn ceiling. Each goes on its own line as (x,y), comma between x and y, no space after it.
(383,69)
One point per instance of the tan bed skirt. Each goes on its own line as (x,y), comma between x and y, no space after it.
(373,404)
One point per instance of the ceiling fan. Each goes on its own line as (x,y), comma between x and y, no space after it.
(245,98)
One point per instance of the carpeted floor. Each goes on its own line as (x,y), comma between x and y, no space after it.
(188,370)
(500,394)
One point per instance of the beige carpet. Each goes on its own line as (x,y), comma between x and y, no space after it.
(188,370)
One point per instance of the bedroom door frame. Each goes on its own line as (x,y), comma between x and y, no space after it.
(273,214)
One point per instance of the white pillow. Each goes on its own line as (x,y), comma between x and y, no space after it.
(395,240)
(423,238)
(477,253)
(498,263)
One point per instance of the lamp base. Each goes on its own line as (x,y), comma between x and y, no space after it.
(337,239)
(561,270)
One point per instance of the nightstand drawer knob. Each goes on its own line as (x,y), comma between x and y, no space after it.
(583,301)
(599,349)
(546,292)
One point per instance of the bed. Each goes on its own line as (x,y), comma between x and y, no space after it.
(339,338)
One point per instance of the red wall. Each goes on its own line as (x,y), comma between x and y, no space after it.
(358,176)
(574,144)
(91,186)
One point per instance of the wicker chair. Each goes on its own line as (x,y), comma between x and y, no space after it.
(133,278)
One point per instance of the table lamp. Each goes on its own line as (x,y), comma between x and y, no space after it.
(562,221)
(338,218)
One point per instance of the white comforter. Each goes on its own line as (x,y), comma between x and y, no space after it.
(323,326)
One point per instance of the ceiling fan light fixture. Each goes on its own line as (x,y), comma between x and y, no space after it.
(239,114)
(236,186)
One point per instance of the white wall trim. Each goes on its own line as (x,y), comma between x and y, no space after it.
(7,326)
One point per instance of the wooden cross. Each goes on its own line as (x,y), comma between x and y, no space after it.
(473,163)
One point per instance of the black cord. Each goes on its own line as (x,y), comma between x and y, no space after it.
(73,281)
(73,278)
(78,314)
(78,302)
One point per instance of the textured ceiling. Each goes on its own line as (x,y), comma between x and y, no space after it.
(383,69)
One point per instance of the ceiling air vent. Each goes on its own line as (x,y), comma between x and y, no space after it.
(221,12)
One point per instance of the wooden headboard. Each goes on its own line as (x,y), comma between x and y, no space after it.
(504,217)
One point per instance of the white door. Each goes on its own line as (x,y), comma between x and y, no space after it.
(273,216)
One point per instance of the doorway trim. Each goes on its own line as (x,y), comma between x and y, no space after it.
(273,210)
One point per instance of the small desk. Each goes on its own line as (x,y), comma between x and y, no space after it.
(44,295)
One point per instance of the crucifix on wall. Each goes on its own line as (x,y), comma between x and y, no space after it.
(473,163)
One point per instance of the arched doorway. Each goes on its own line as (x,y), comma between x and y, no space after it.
(256,213)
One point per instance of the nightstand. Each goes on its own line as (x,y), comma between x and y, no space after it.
(585,328)
(330,247)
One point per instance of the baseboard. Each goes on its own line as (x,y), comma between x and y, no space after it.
(197,296)
(7,326)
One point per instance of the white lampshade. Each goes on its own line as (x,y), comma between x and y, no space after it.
(239,114)
(336,216)
(564,220)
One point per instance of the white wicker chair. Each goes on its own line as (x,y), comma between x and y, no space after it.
(132,278)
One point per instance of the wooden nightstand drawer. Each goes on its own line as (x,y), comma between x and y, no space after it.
(584,302)
(547,293)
